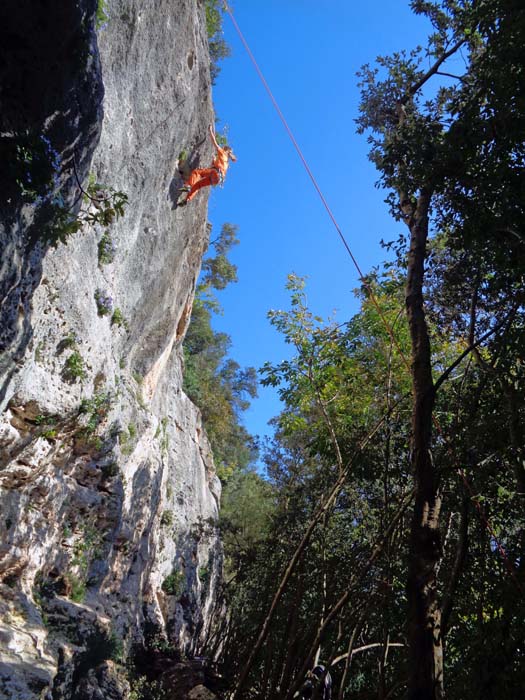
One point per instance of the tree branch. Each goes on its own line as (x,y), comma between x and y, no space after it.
(472,347)
(356,578)
(433,70)
(450,75)
(93,199)
(366,648)
(322,508)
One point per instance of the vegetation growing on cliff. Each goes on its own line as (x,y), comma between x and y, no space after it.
(219,49)
(215,382)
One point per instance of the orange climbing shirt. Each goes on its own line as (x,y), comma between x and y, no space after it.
(221,161)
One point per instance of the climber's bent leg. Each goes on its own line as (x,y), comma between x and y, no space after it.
(201,177)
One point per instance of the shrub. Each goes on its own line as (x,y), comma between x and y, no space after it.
(143,689)
(34,166)
(166,518)
(74,367)
(104,302)
(96,410)
(106,249)
(110,470)
(173,584)
(101,18)
(218,47)
(62,223)
(118,318)
(108,204)
(77,588)
(71,340)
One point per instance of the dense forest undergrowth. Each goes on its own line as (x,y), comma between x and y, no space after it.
(386,537)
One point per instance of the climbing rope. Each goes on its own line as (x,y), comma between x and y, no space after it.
(366,284)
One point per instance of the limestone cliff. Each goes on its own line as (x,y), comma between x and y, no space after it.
(109,498)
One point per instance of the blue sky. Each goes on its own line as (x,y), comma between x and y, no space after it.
(309,52)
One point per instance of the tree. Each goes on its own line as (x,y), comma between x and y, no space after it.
(217,384)
(450,168)
(219,49)
(336,509)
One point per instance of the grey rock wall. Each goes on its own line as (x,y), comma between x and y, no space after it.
(108,495)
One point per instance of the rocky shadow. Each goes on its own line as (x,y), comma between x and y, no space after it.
(186,162)
(51,95)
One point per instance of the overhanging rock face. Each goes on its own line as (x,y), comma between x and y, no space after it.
(109,498)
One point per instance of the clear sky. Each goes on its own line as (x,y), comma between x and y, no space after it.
(309,52)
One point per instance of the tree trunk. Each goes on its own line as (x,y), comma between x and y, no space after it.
(424,623)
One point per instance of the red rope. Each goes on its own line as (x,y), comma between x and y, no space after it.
(373,298)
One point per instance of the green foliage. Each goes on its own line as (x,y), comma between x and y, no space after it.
(32,166)
(104,302)
(96,410)
(218,47)
(46,419)
(74,367)
(216,383)
(166,518)
(106,249)
(217,271)
(115,648)
(204,575)
(98,647)
(62,223)
(247,504)
(158,642)
(336,383)
(144,689)
(87,547)
(222,139)
(127,439)
(77,588)
(34,175)
(173,584)
(69,341)
(101,18)
(108,204)
(117,319)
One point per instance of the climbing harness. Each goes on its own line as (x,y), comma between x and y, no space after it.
(373,298)
(221,176)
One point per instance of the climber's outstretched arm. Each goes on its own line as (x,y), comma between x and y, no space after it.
(212,134)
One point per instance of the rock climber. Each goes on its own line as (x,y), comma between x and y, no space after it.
(206,177)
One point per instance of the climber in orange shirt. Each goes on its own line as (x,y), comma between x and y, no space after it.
(206,177)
